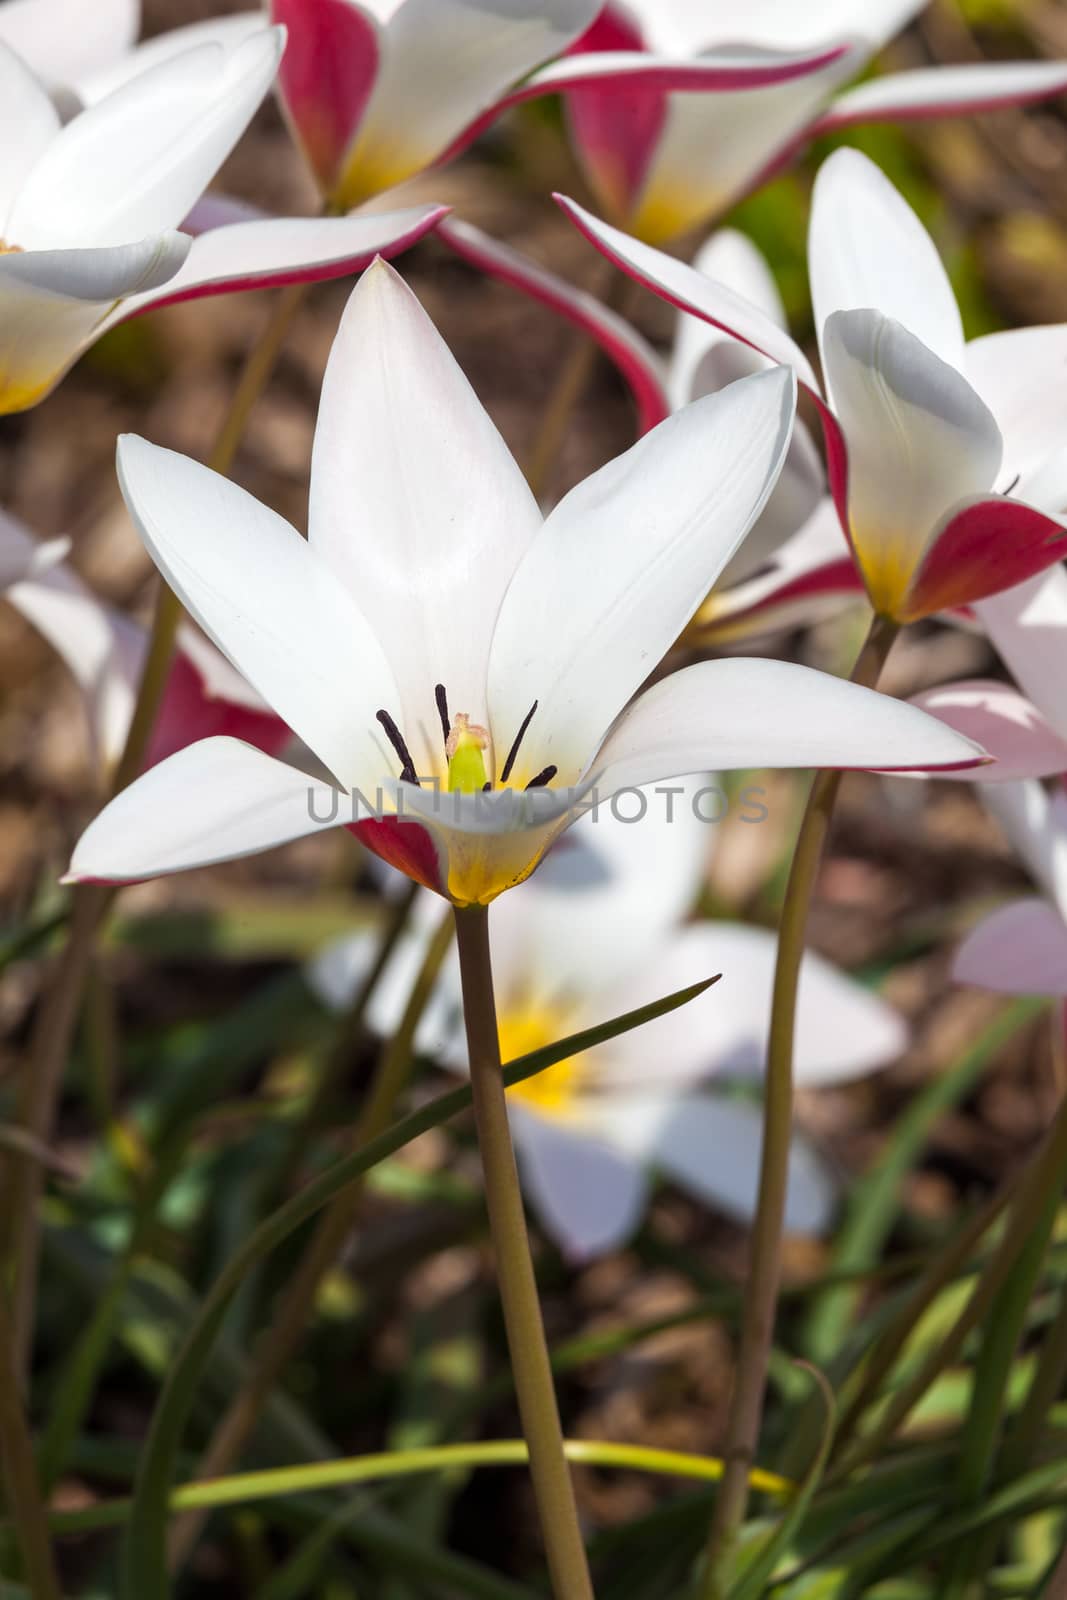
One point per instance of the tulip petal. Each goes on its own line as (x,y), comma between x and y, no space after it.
(1021,375)
(229,31)
(710,1146)
(614,133)
(715,148)
(868,250)
(31,120)
(265,253)
(54,302)
(996,716)
(689,290)
(1028,626)
(1035,825)
(326,76)
(415,111)
(135,162)
(1020,948)
(781,26)
(588,1196)
(268,602)
(989,544)
(843,1030)
(417,505)
(22,556)
(215,801)
(919,441)
(634,358)
(810,576)
(945,91)
(747,712)
(630,552)
(59,43)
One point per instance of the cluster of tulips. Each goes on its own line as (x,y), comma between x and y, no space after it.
(484,689)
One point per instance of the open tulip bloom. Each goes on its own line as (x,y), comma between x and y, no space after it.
(661,163)
(461,665)
(938,507)
(600,928)
(90,210)
(369,103)
(1021,948)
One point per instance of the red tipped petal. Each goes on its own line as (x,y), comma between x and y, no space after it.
(991,544)
(326,77)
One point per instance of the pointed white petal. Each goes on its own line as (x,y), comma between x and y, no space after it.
(711,1147)
(753,713)
(136,161)
(919,440)
(92,85)
(776,24)
(1028,625)
(269,604)
(276,250)
(946,91)
(416,505)
(588,1196)
(213,801)
(1020,948)
(868,250)
(689,290)
(1022,377)
(29,120)
(416,110)
(630,553)
(730,258)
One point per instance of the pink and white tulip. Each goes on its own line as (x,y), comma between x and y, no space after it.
(89,212)
(661,163)
(439,644)
(378,91)
(921,475)
(602,927)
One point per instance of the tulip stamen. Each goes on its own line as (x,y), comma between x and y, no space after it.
(1013,485)
(513,752)
(442,710)
(396,739)
(544,777)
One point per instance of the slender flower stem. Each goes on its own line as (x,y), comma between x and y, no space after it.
(58,1010)
(534,1388)
(21,1488)
(612,288)
(290,1323)
(761,1289)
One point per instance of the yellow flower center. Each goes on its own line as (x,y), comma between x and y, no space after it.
(10,249)
(525,1028)
(464,748)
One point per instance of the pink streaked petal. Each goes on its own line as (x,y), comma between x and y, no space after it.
(1000,719)
(1021,948)
(950,91)
(687,289)
(190,712)
(989,544)
(626,72)
(405,845)
(326,77)
(781,601)
(613,134)
(279,250)
(635,359)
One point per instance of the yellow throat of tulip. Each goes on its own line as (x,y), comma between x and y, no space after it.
(528,1027)
(465,748)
